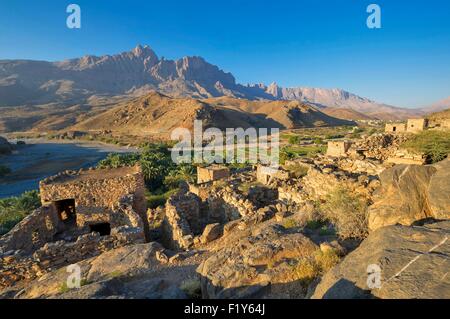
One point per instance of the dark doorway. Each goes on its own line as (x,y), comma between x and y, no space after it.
(394,129)
(104,229)
(66,211)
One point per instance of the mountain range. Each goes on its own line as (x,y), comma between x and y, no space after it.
(135,73)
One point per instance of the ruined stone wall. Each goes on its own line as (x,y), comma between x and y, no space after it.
(32,232)
(395,128)
(338,148)
(416,125)
(265,175)
(371,167)
(201,190)
(443,124)
(213,173)
(182,221)
(95,197)
(236,205)
(403,156)
(380,146)
(321,181)
(16,266)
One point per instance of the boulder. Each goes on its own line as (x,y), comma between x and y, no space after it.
(211,232)
(439,191)
(410,193)
(250,267)
(413,262)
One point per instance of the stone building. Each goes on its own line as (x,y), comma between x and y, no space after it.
(439,124)
(416,125)
(212,173)
(338,148)
(395,128)
(90,198)
(83,214)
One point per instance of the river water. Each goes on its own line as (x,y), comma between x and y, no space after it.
(41,158)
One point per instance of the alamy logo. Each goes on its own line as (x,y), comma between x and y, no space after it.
(237,145)
(74,279)
(374,276)
(74,19)
(374,19)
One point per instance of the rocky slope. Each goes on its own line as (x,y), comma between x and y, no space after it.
(24,82)
(445,114)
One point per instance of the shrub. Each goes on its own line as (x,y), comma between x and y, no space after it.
(311,267)
(318,141)
(290,223)
(294,139)
(119,160)
(192,288)
(314,224)
(347,212)
(14,209)
(334,136)
(434,144)
(288,153)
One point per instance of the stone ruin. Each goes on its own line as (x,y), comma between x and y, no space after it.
(211,173)
(201,212)
(89,199)
(418,125)
(83,214)
(372,154)
(265,175)
(338,148)
(395,128)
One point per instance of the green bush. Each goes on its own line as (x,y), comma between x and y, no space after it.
(334,136)
(158,198)
(14,209)
(288,153)
(434,144)
(295,139)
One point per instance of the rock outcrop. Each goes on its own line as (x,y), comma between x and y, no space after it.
(254,264)
(413,263)
(131,272)
(411,193)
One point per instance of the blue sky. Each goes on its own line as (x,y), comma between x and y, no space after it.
(295,43)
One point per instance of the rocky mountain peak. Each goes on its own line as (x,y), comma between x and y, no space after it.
(144,52)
